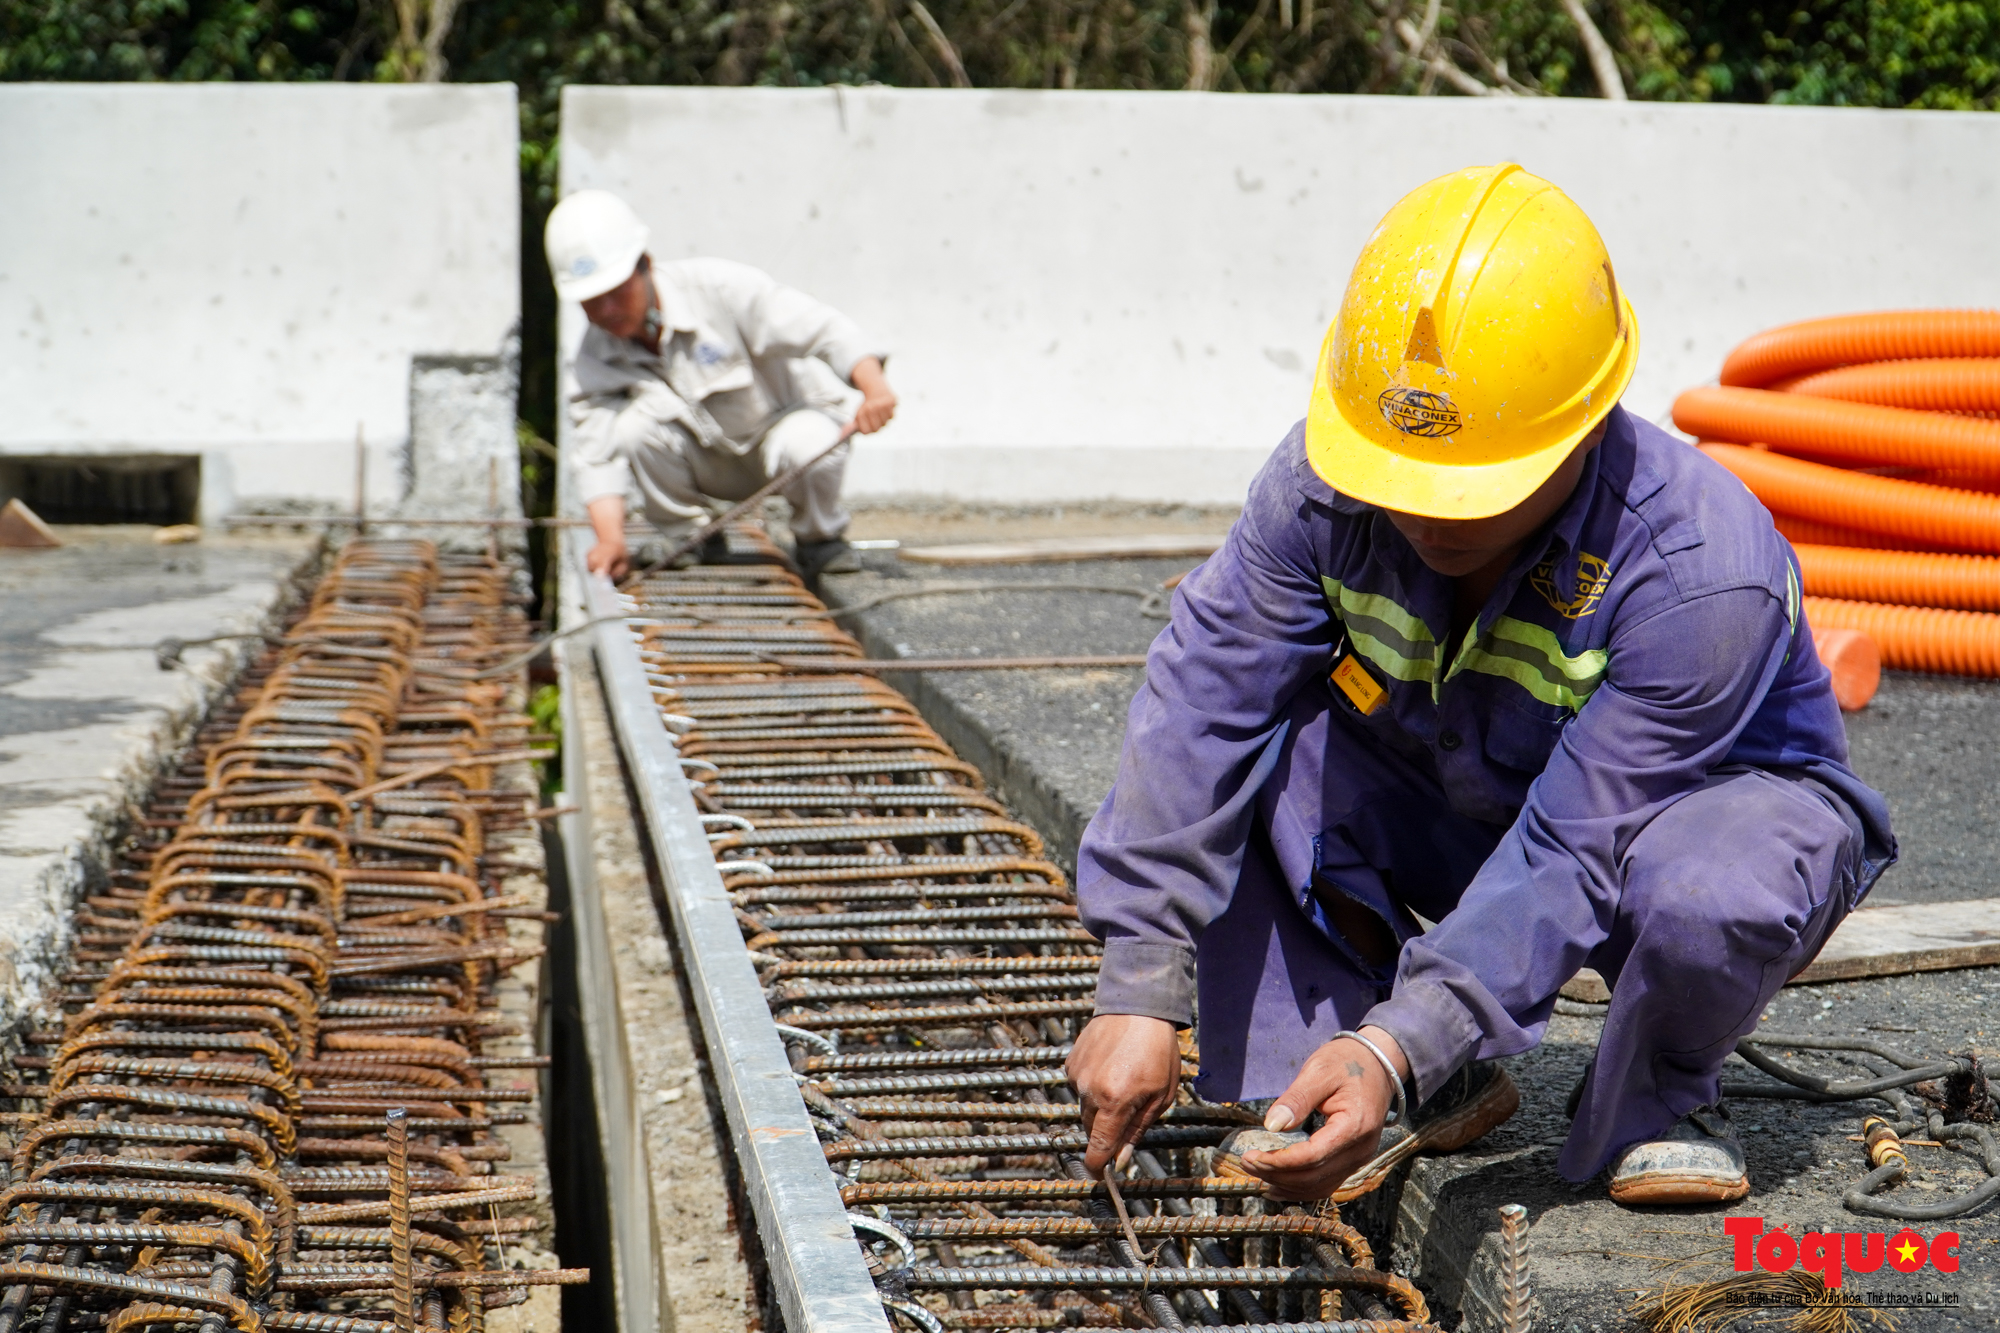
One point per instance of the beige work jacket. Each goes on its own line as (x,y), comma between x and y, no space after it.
(727,369)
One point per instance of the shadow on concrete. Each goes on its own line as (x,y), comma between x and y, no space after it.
(577,1171)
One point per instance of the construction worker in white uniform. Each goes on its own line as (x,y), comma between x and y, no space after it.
(688,385)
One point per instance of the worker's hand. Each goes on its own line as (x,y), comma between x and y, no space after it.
(1346,1083)
(1125,1069)
(878,403)
(611,558)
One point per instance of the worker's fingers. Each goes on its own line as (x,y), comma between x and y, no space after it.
(1125,1068)
(874,413)
(1323,1074)
(1346,1085)
(1319,1166)
(1112,1134)
(611,559)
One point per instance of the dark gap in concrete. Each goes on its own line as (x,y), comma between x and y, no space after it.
(766,1316)
(578,1192)
(112,488)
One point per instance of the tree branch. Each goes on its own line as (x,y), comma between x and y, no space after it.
(946,51)
(1243,34)
(1610,84)
(1424,52)
(910,50)
(1200,23)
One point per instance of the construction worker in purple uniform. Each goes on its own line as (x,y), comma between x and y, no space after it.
(1492,681)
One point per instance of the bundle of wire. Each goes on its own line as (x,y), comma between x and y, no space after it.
(1874,440)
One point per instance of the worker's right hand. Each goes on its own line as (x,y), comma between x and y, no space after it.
(1125,1069)
(609,558)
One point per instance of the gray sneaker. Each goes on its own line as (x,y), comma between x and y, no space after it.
(1697,1161)
(827,557)
(1478,1098)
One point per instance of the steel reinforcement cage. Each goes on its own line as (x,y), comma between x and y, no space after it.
(888,975)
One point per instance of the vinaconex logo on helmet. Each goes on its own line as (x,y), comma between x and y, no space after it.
(582,266)
(1428,416)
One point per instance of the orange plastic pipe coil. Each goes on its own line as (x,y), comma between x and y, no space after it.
(1905,578)
(1957,384)
(1846,340)
(1858,433)
(1954,478)
(1933,515)
(1811,532)
(1854,660)
(1915,638)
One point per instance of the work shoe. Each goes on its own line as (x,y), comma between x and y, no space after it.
(834,556)
(1696,1161)
(1478,1098)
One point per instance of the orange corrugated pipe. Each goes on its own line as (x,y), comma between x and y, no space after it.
(1854,660)
(1960,520)
(1956,480)
(1943,384)
(1904,578)
(1811,532)
(1914,638)
(1858,433)
(1846,340)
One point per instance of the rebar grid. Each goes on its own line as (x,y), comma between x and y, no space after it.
(276,1014)
(923,963)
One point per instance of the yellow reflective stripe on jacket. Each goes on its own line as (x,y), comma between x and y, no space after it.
(1402,646)
(1532,658)
(1384,633)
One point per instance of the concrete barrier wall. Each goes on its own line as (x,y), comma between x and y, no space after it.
(1122,294)
(244,272)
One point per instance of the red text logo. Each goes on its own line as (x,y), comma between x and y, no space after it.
(1829,1253)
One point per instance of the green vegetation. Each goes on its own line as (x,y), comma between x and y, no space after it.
(1922,53)
(1898,53)
(545,709)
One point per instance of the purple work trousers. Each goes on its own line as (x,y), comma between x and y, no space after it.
(1723,897)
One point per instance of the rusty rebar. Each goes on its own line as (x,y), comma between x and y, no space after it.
(927,968)
(305,930)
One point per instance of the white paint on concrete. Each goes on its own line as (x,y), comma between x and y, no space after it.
(244,271)
(1123,294)
(30,835)
(237,608)
(132,675)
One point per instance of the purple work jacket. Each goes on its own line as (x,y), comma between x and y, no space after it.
(1649,635)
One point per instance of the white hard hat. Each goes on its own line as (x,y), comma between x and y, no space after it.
(594,241)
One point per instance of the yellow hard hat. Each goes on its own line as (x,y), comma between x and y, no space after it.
(1482,337)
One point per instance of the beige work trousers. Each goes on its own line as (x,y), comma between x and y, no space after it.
(674,474)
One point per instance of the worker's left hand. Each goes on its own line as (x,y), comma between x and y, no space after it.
(1346,1083)
(878,402)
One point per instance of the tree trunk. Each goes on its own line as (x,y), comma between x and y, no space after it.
(1199,15)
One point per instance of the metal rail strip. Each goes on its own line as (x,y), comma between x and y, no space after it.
(817,1271)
